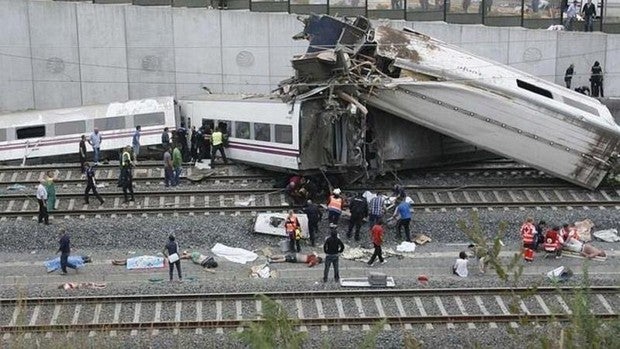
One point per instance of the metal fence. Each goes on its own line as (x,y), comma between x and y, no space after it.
(525,13)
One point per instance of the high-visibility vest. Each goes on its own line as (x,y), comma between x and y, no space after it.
(216,138)
(552,241)
(126,159)
(527,233)
(335,204)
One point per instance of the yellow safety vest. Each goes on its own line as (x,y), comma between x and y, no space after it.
(216,138)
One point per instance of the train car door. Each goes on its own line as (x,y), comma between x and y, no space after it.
(339,142)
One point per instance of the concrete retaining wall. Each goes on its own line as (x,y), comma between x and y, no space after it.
(63,54)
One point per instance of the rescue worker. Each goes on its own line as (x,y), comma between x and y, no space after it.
(292,228)
(359,210)
(314,216)
(126,175)
(553,242)
(217,143)
(527,235)
(334,207)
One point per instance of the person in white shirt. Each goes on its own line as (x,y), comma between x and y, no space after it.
(460,266)
(42,199)
(95,141)
(571,16)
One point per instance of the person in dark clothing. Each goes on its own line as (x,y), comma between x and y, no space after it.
(200,145)
(65,251)
(333,247)
(91,184)
(172,248)
(182,140)
(568,77)
(314,217)
(165,138)
(359,210)
(583,90)
(596,80)
(82,153)
(193,144)
(588,13)
(541,230)
(42,200)
(126,175)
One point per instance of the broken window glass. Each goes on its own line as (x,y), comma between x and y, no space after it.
(242,130)
(262,132)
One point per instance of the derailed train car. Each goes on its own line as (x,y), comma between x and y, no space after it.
(304,136)
(486,104)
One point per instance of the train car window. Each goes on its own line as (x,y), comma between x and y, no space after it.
(262,132)
(106,124)
(284,134)
(70,127)
(225,126)
(3,135)
(31,132)
(581,106)
(149,119)
(242,130)
(533,88)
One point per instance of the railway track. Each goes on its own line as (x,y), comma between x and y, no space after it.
(250,200)
(152,172)
(324,309)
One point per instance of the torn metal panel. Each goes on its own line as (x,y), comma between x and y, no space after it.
(273,224)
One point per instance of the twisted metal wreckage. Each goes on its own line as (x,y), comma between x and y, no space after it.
(351,68)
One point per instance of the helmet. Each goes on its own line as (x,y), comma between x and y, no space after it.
(337,191)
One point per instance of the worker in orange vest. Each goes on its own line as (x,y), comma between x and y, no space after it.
(292,227)
(334,207)
(528,231)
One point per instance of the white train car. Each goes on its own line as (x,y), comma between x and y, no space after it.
(496,107)
(49,133)
(262,131)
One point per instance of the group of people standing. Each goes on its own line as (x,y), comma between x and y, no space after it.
(588,12)
(596,80)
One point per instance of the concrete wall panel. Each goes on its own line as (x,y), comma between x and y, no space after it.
(16,89)
(197,49)
(582,49)
(282,47)
(103,59)
(245,49)
(533,51)
(56,72)
(488,42)
(611,68)
(449,33)
(150,51)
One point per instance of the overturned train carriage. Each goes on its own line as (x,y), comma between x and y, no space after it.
(384,73)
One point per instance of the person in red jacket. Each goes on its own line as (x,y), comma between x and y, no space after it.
(528,231)
(376,233)
(553,242)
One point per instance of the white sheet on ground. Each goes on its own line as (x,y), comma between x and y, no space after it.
(363,282)
(607,235)
(234,254)
(406,246)
(145,262)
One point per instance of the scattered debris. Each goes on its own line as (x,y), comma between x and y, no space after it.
(560,274)
(378,280)
(244,203)
(273,224)
(421,239)
(74,286)
(234,254)
(406,246)
(262,272)
(423,279)
(607,235)
(16,187)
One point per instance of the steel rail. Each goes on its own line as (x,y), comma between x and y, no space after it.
(418,188)
(281,208)
(148,179)
(231,323)
(430,292)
